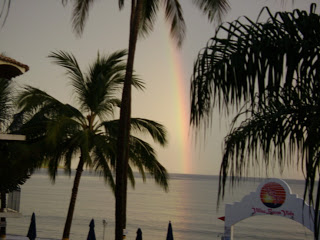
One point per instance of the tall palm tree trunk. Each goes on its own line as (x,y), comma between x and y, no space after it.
(3,220)
(125,115)
(76,182)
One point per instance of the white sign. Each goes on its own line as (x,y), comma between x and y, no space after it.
(273,197)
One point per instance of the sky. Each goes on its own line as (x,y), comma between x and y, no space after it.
(34,28)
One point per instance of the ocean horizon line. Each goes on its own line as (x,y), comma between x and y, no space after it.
(177,176)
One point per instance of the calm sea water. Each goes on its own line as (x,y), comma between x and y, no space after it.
(190,205)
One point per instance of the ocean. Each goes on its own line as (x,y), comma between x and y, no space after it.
(190,205)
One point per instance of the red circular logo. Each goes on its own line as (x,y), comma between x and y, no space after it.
(272,195)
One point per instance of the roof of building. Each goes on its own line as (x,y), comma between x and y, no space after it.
(10,68)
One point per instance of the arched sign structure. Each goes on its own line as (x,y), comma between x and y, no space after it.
(273,197)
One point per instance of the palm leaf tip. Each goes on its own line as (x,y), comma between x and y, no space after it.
(80,15)
(214,9)
(162,178)
(174,15)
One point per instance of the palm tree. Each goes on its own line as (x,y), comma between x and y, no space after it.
(274,68)
(87,132)
(4,109)
(5,97)
(143,16)
(17,159)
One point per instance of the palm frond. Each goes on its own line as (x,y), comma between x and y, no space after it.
(284,128)
(34,102)
(156,130)
(70,63)
(213,9)
(80,15)
(142,156)
(5,99)
(104,82)
(32,99)
(273,66)
(62,127)
(111,128)
(131,177)
(141,151)
(174,15)
(252,58)
(149,16)
(102,153)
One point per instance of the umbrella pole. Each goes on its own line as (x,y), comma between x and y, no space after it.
(104,222)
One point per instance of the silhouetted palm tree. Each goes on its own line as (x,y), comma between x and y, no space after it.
(89,132)
(17,159)
(275,68)
(143,16)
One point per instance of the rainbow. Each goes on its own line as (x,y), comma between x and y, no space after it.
(182,105)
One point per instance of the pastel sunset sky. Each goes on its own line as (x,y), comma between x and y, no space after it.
(34,28)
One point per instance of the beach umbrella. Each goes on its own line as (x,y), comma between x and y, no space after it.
(170,234)
(139,234)
(32,233)
(91,234)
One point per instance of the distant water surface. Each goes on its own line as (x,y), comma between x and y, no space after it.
(190,205)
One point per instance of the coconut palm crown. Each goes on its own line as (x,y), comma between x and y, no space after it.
(90,131)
